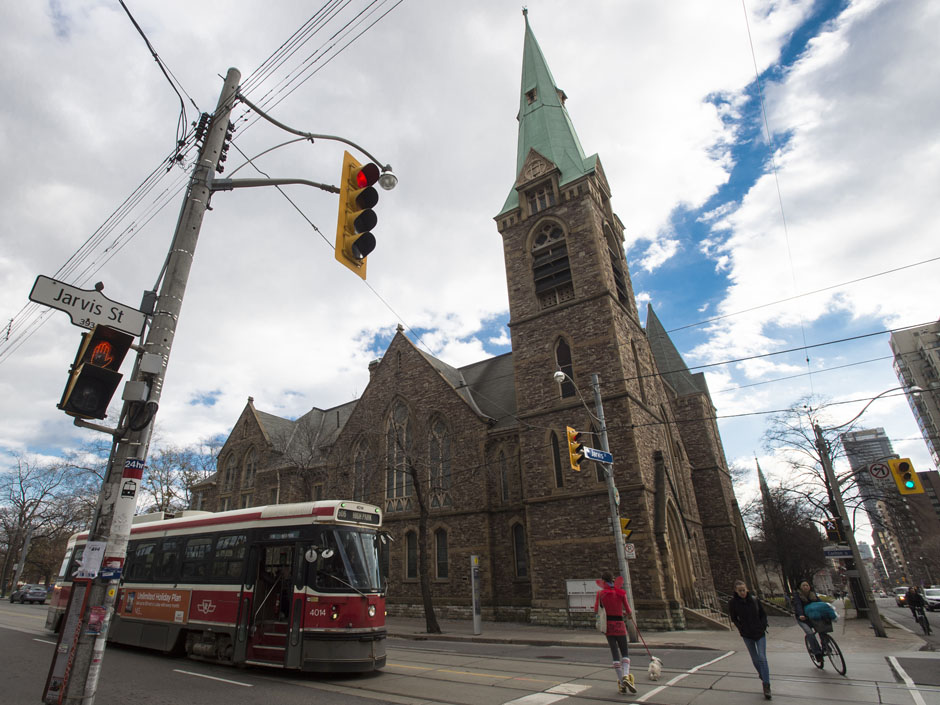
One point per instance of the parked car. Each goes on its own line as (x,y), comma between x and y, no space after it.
(932,598)
(29,593)
(900,595)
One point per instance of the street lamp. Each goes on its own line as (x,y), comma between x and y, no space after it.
(864,592)
(613,497)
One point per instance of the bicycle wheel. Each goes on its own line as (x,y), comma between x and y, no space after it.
(834,654)
(818,661)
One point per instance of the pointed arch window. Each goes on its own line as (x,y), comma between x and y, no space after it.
(440,457)
(249,468)
(556,461)
(442,569)
(398,480)
(617,267)
(503,475)
(550,267)
(411,556)
(563,361)
(541,198)
(360,467)
(228,475)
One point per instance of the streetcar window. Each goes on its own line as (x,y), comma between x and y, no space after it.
(141,562)
(195,557)
(229,560)
(63,569)
(353,565)
(167,565)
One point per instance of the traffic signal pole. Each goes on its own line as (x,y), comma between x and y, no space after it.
(861,580)
(614,510)
(76,666)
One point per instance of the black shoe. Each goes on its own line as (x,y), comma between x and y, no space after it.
(767,695)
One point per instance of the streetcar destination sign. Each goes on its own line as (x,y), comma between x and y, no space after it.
(598,455)
(87,307)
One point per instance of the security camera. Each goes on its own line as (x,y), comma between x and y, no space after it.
(559,377)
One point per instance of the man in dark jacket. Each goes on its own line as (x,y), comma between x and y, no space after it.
(748,616)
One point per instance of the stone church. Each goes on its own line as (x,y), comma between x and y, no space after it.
(483,447)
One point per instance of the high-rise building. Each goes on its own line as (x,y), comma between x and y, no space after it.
(917,363)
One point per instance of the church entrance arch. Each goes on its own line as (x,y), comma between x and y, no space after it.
(681,556)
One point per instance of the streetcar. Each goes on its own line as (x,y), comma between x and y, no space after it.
(294,586)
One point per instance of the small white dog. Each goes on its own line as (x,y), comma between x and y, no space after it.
(656,668)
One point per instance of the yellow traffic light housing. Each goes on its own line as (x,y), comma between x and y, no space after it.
(357,197)
(575,448)
(94,375)
(905,477)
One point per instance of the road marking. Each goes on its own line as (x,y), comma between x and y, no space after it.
(45,641)
(911,685)
(536,699)
(568,689)
(213,678)
(678,678)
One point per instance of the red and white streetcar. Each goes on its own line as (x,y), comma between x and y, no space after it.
(295,586)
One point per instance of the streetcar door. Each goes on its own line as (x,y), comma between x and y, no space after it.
(266,612)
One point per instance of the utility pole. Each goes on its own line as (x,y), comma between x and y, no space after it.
(614,506)
(73,676)
(22,562)
(863,593)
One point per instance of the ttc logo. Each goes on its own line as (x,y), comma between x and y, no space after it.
(207,607)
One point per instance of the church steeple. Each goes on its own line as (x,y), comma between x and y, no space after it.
(544,123)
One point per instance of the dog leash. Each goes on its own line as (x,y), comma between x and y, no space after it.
(640,634)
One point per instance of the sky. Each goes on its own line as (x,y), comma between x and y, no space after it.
(740,198)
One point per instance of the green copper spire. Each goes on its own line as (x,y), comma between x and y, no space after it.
(544,124)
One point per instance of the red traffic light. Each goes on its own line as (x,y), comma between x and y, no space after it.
(367,176)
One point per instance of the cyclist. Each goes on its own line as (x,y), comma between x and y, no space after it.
(802,597)
(914,600)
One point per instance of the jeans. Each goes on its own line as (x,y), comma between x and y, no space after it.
(811,636)
(758,650)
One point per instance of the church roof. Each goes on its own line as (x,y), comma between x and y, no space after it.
(668,360)
(544,124)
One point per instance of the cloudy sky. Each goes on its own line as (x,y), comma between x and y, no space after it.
(722,224)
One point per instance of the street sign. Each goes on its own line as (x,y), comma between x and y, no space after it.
(837,552)
(598,455)
(879,471)
(629,551)
(87,307)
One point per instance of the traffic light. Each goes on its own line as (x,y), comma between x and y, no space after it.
(834,530)
(624,523)
(94,375)
(575,448)
(357,197)
(905,477)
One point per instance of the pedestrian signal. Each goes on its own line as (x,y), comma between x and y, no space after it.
(94,375)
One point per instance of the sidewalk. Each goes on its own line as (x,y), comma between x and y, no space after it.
(854,635)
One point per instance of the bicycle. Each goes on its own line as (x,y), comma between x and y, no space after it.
(920,616)
(830,649)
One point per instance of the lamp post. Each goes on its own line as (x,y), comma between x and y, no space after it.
(863,593)
(613,497)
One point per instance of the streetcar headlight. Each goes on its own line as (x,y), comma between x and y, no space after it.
(371,610)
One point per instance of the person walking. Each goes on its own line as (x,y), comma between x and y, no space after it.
(613,598)
(802,597)
(748,615)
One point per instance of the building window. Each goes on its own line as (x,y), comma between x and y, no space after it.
(228,475)
(503,475)
(360,465)
(556,461)
(530,96)
(550,266)
(273,499)
(520,551)
(440,552)
(411,555)
(398,479)
(541,198)
(440,457)
(617,268)
(639,372)
(250,465)
(316,493)
(224,504)
(246,500)
(563,361)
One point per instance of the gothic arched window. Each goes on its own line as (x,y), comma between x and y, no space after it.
(520,551)
(440,457)
(228,475)
(398,480)
(617,266)
(550,267)
(442,569)
(563,361)
(249,467)
(360,466)
(556,461)
(503,475)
